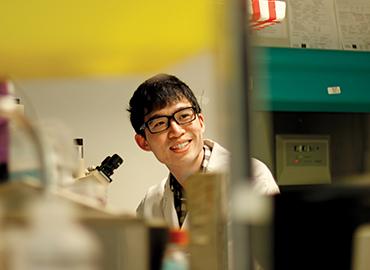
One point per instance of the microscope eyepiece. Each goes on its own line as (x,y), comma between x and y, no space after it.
(109,164)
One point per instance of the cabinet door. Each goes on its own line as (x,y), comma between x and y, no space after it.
(313,80)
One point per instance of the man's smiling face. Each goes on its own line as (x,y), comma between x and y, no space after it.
(179,145)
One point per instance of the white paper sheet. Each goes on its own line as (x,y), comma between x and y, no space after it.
(353,17)
(312,24)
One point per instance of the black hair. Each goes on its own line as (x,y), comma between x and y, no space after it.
(156,93)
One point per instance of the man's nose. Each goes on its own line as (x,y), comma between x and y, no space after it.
(175,128)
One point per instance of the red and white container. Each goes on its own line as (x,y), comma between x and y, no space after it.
(263,13)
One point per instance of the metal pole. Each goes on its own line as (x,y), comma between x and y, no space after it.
(238,101)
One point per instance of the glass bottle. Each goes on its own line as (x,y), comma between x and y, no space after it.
(176,256)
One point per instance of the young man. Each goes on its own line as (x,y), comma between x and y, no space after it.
(168,121)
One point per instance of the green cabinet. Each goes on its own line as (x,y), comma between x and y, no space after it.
(298,80)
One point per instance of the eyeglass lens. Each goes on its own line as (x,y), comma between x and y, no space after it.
(162,123)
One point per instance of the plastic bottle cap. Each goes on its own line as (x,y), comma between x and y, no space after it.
(179,237)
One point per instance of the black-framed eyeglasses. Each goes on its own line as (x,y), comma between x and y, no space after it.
(161,123)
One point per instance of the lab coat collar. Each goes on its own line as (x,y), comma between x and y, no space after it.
(170,214)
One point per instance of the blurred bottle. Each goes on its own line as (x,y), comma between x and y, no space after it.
(55,241)
(9,105)
(80,170)
(5,86)
(176,256)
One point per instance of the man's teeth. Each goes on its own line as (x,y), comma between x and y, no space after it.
(181,145)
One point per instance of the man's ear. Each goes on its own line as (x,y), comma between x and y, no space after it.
(201,121)
(142,142)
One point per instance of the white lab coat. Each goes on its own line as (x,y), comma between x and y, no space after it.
(158,203)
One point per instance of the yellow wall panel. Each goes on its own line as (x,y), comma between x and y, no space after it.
(44,38)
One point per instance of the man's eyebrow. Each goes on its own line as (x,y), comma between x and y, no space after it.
(156,115)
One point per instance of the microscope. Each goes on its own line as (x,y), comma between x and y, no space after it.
(93,182)
(103,172)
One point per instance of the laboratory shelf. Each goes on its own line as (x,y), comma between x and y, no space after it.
(293,79)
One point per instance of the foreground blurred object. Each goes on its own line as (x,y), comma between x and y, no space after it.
(176,256)
(121,237)
(51,238)
(263,13)
(4,137)
(26,153)
(6,92)
(54,239)
(361,248)
(208,221)
(322,227)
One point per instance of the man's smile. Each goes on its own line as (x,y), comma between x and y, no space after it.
(180,146)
